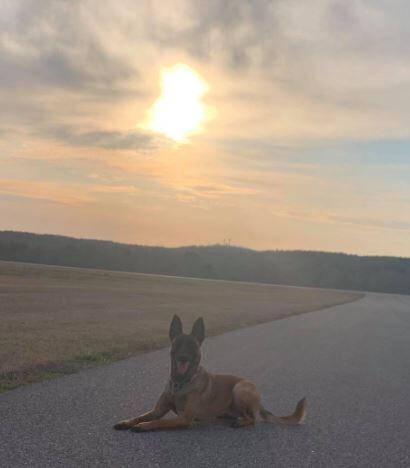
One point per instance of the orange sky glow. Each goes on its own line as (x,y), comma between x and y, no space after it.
(276,125)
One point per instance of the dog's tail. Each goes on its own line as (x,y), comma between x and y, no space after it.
(294,419)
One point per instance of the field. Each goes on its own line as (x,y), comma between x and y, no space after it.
(57,320)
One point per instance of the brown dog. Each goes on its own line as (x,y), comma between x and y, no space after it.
(192,393)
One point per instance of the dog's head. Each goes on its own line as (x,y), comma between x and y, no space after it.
(185,349)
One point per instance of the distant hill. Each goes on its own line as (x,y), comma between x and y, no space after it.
(299,268)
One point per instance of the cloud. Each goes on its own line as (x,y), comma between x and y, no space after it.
(55,44)
(201,194)
(232,31)
(63,193)
(112,189)
(381,223)
(215,190)
(112,140)
(61,68)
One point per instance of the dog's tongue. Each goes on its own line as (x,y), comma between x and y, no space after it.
(182,367)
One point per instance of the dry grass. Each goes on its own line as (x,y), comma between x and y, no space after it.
(56,320)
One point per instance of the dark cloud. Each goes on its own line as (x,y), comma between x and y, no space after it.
(60,68)
(52,43)
(257,32)
(232,29)
(63,42)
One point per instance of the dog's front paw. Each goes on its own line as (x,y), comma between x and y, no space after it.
(123,425)
(138,428)
(142,427)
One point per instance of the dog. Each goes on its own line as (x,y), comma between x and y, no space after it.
(194,394)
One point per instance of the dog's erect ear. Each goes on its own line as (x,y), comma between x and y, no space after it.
(176,328)
(198,330)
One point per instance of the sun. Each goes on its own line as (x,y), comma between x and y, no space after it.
(179,111)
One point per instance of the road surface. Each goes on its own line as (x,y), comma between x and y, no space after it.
(352,362)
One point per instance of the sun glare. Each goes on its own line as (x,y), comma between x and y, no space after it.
(179,111)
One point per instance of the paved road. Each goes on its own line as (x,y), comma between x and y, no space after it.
(351,361)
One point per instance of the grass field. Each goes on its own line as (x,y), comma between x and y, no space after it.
(56,320)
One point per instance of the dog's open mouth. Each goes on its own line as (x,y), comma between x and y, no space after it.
(182,367)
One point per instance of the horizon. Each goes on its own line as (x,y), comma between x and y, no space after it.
(278,125)
(221,244)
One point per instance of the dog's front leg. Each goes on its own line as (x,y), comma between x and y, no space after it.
(161,409)
(182,421)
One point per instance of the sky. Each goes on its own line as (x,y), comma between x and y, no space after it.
(300,117)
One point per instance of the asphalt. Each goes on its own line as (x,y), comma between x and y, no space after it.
(352,362)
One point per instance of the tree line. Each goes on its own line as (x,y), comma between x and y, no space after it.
(299,268)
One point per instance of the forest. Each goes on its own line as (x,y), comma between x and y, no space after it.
(297,268)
